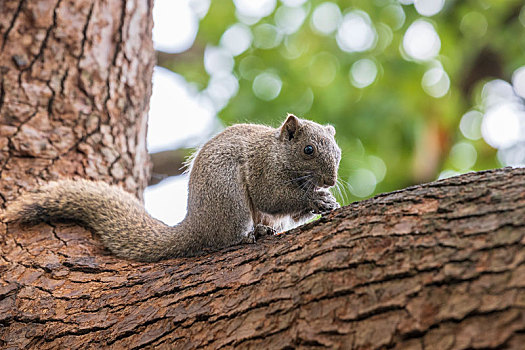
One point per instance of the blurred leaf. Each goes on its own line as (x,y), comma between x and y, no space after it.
(393,119)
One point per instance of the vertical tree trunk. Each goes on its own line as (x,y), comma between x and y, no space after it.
(75,82)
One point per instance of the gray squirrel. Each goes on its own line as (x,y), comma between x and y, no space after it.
(243,183)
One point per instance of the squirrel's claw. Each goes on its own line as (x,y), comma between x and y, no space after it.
(324,202)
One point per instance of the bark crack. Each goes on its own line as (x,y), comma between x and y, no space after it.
(13,20)
(2,92)
(81,56)
(43,46)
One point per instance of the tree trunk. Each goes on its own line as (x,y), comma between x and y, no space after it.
(437,266)
(75,82)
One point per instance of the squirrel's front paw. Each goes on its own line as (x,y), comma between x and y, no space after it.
(324,202)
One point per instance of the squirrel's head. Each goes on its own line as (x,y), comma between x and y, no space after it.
(312,155)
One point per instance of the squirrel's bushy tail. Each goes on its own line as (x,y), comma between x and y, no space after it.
(115,215)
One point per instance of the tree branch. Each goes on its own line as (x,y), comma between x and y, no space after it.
(439,265)
(167,163)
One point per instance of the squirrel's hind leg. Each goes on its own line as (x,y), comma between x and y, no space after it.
(258,231)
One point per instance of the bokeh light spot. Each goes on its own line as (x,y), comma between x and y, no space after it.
(436,82)
(294,46)
(394,16)
(199,7)
(289,19)
(267,36)
(304,103)
(378,167)
(250,67)
(293,3)
(496,92)
(326,18)
(267,86)
(363,73)
(385,37)
(221,88)
(356,33)
(362,182)
(421,42)
(174,16)
(518,81)
(501,125)
(172,93)
(470,125)
(237,39)
(323,68)
(473,24)
(445,174)
(512,156)
(463,156)
(428,7)
(255,9)
(217,60)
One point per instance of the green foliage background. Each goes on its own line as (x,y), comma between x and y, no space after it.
(393,118)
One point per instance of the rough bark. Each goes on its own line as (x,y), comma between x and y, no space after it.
(75,81)
(437,266)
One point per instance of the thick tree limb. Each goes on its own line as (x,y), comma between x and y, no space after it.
(437,266)
(167,163)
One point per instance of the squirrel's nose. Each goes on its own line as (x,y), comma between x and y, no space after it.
(329,182)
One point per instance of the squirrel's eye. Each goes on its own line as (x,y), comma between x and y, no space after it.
(309,149)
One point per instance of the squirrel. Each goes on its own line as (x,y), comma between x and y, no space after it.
(243,183)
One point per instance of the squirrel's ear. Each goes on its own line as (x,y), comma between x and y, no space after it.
(290,127)
(331,130)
